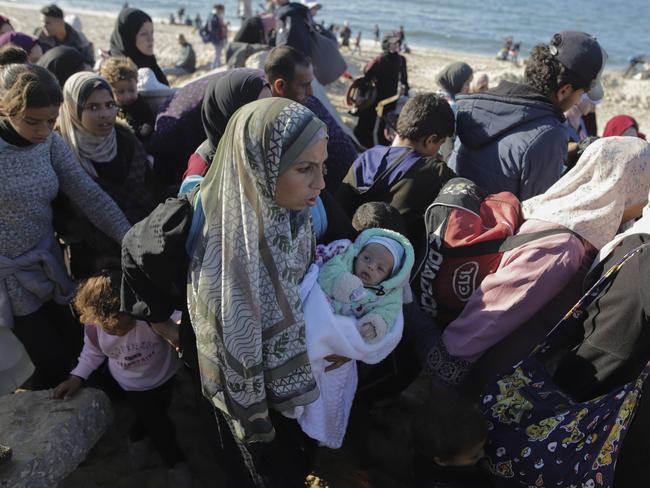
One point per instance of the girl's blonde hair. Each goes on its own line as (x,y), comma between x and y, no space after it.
(98,298)
(118,68)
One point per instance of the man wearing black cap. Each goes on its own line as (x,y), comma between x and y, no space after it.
(56,32)
(512,138)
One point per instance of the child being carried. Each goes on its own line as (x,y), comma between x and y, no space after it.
(366,281)
(353,309)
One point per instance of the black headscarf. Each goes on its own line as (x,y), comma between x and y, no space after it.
(127,25)
(223,97)
(251,31)
(453,77)
(63,62)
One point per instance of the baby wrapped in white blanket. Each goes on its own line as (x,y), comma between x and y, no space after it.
(327,334)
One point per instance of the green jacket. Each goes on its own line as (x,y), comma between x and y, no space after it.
(380,305)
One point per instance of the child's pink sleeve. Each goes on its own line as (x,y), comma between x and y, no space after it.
(91,356)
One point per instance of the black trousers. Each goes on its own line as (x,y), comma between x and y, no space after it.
(284,462)
(365,128)
(152,420)
(53,339)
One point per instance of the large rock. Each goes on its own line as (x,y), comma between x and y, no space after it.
(49,437)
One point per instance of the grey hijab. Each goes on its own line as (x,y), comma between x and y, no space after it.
(453,77)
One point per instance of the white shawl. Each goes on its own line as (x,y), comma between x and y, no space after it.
(612,175)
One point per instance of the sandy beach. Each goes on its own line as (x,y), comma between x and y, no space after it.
(631,97)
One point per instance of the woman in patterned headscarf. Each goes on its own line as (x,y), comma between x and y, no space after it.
(246,266)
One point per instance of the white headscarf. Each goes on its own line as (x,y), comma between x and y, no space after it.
(641,226)
(87,147)
(612,175)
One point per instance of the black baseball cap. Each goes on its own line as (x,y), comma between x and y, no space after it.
(581,54)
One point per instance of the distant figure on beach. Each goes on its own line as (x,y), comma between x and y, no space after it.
(181,14)
(357,43)
(502,55)
(638,67)
(345,34)
(512,138)
(133,37)
(172,19)
(401,35)
(513,54)
(376,32)
(56,32)
(197,22)
(186,62)
(215,32)
(388,71)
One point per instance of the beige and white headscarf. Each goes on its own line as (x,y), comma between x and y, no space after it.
(612,175)
(243,292)
(87,147)
(641,226)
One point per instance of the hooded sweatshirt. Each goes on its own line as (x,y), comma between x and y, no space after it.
(381,304)
(399,176)
(511,139)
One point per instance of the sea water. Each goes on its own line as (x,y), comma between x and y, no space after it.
(476,26)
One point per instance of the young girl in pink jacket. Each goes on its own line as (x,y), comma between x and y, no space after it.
(141,362)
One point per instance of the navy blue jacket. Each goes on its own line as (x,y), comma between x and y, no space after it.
(511,139)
